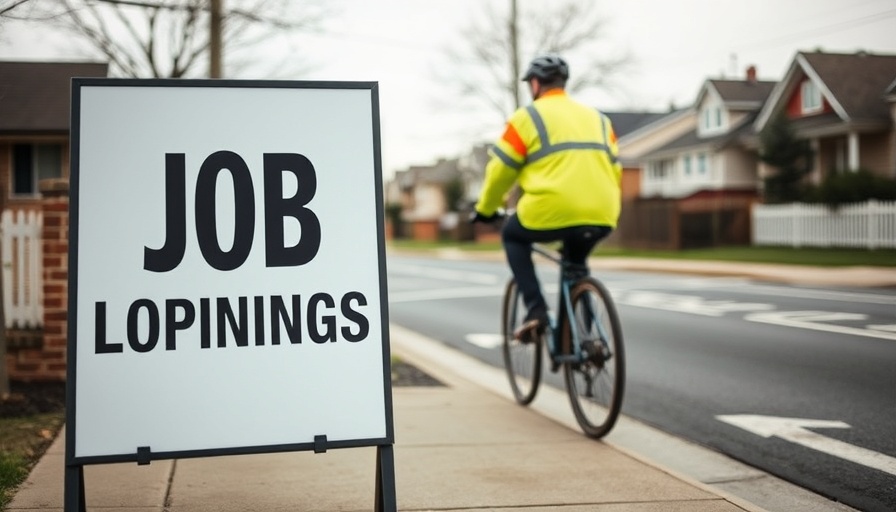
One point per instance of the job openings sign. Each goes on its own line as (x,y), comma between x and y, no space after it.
(227,273)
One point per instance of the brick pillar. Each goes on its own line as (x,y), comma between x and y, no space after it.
(42,356)
(55,274)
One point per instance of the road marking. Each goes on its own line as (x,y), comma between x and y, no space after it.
(795,431)
(485,340)
(444,274)
(460,292)
(730,285)
(811,319)
(687,303)
(686,283)
(810,293)
(757,312)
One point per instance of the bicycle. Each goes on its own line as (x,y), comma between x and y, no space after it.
(585,338)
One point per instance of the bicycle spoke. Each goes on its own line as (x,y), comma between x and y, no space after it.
(595,384)
(521,360)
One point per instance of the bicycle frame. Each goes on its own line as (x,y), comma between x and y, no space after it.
(594,360)
(564,304)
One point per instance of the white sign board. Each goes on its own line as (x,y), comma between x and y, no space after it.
(227,268)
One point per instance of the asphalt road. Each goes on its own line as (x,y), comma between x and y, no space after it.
(797,381)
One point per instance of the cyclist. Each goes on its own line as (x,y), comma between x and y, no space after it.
(564,156)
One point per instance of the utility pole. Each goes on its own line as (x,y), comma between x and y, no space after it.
(514,55)
(215,44)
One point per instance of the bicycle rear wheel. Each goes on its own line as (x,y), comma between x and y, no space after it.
(596,384)
(522,360)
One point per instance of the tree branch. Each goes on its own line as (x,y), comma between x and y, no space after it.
(138,36)
(484,59)
(5,10)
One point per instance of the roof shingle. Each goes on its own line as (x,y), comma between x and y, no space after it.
(858,81)
(627,122)
(743,91)
(36,96)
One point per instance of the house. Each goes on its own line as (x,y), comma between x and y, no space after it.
(640,132)
(472,169)
(697,184)
(421,191)
(715,156)
(845,105)
(34,146)
(420,195)
(35,111)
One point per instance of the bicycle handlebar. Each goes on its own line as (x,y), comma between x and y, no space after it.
(498,216)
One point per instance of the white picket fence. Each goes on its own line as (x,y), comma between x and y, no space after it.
(870,225)
(20,241)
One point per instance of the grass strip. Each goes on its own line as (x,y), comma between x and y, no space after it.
(23,440)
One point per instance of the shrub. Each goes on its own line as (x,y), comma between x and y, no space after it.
(790,156)
(852,187)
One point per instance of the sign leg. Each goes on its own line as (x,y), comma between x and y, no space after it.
(385,479)
(75,500)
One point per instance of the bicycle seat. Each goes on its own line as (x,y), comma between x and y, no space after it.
(574,271)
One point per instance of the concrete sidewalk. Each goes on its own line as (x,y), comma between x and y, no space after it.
(467,446)
(462,446)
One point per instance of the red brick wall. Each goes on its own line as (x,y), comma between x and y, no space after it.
(47,361)
(631,182)
(426,230)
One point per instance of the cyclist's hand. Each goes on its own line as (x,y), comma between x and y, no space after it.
(485,219)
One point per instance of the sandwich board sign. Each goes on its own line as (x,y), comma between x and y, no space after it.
(227,289)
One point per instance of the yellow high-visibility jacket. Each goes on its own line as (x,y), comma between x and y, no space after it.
(565,157)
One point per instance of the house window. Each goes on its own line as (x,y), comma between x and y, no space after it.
(712,119)
(32,163)
(811,97)
(701,163)
(687,165)
(661,169)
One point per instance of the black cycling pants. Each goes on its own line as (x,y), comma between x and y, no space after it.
(578,241)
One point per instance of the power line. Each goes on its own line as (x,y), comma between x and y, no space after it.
(871,18)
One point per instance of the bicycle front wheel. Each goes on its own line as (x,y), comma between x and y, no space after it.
(595,383)
(522,360)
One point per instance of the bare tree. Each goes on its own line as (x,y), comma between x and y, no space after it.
(160,39)
(487,61)
(172,38)
(9,7)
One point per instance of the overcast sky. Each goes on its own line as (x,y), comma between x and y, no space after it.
(675,46)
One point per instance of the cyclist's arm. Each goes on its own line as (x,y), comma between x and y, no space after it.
(507,158)
(499,178)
